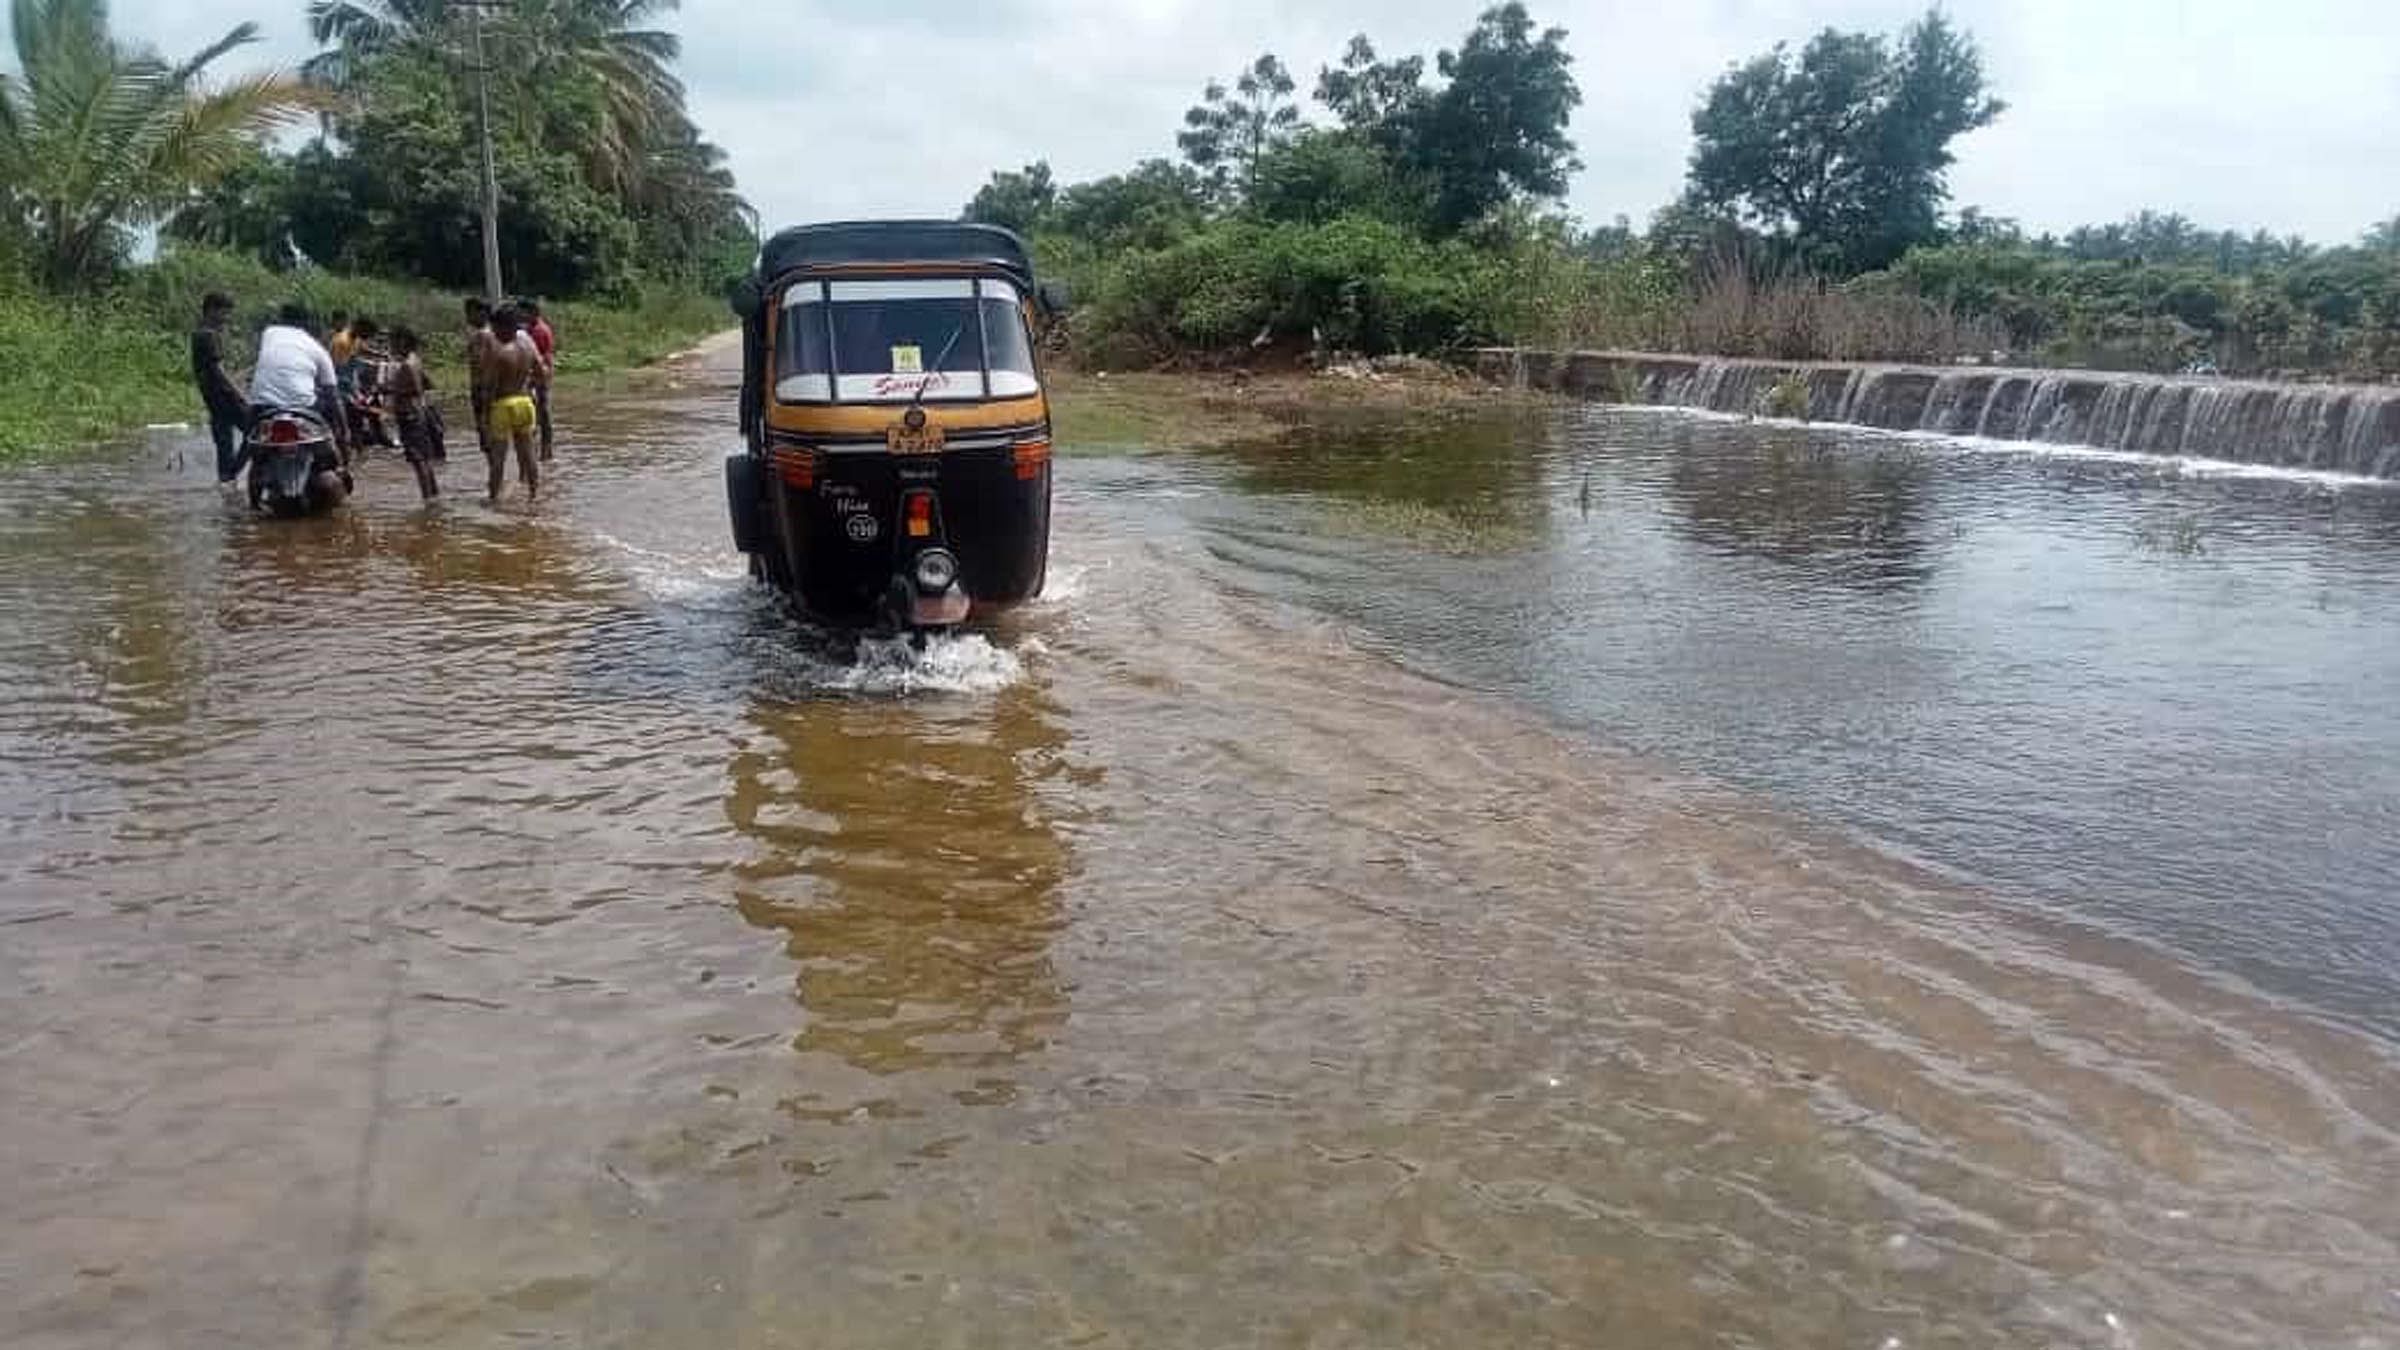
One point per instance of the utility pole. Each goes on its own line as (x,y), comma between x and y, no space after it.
(491,183)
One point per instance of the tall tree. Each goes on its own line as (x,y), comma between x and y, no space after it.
(1019,199)
(1374,98)
(1495,132)
(99,137)
(608,49)
(349,30)
(1150,206)
(1843,152)
(600,167)
(1325,173)
(591,75)
(1229,132)
(243,211)
(690,213)
(1498,130)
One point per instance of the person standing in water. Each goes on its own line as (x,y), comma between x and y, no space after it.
(545,341)
(228,411)
(479,341)
(405,387)
(511,371)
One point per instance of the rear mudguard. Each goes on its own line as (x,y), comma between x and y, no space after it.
(745,499)
(285,479)
(283,474)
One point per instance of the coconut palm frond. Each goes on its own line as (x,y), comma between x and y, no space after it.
(98,135)
(205,137)
(362,24)
(241,35)
(11,93)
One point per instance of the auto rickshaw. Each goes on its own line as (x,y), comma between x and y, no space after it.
(896,469)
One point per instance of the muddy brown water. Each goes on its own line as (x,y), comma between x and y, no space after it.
(478,928)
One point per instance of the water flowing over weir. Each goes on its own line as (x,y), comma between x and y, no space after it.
(2333,428)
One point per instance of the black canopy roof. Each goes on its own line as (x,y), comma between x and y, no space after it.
(894,241)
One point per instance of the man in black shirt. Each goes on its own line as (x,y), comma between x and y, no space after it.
(228,410)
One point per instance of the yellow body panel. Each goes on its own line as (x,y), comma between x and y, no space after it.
(866,421)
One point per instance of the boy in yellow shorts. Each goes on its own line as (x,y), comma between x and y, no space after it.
(511,370)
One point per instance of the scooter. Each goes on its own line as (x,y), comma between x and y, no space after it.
(295,465)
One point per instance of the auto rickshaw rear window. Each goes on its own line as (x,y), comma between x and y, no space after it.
(881,341)
(1006,344)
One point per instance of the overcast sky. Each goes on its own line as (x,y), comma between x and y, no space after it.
(2236,113)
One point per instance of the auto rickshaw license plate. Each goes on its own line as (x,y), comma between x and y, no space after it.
(924,440)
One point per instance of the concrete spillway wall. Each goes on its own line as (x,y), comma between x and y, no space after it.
(2340,428)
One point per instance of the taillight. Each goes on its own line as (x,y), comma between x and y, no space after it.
(1030,456)
(796,466)
(283,431)
(916,515)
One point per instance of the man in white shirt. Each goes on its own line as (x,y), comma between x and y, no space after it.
(294,371)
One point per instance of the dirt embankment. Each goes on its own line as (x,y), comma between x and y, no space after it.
(1103,410)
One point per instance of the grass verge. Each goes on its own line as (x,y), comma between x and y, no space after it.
(78,371)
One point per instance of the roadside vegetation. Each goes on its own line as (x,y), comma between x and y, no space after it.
(2157,292)
(84,366)
(1412,203)
(612,207)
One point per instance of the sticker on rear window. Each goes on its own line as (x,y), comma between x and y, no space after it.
(908,360)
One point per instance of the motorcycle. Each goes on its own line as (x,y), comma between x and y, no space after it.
(295,465)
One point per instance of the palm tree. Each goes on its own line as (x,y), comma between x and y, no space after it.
(684,189)
(98,137)
(603,45)
(351,30)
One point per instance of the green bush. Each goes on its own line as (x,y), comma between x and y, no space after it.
(80,370)
(1362,284)
(2325,310)
(1352,284)
(637,326)
(1787,397)
(166,295)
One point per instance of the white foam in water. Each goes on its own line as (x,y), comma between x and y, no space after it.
(1064,586)
(2185,466)
(675,576)
(964,663)
(2182,466)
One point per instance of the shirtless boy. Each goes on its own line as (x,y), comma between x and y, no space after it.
(479,341)
(508,372)
(405,388)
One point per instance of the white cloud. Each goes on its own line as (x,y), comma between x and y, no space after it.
(2231,115)
(2234,115)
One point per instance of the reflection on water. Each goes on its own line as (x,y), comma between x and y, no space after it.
(913,875)
(1807,502)
(1450,459)
(1444,482)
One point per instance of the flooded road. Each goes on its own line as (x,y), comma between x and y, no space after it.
(1301,929)
(2162,698)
